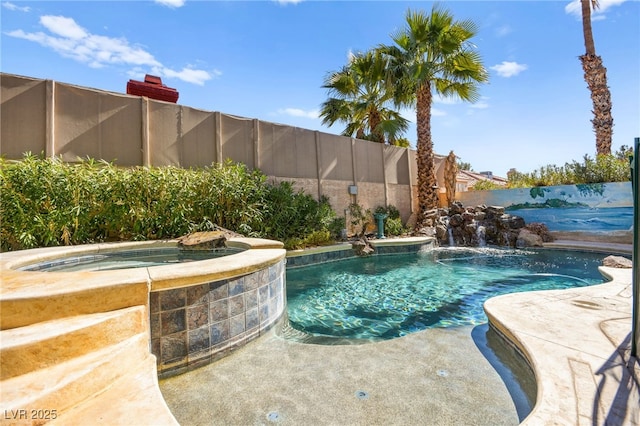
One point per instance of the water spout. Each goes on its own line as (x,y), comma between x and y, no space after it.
(452,242)
(481,232)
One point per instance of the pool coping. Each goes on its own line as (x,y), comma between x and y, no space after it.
(346,250)
(30,297)
(577,342)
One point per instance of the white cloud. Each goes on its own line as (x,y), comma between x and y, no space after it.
(297,112)
(14,7)
(481,104)
(285,2)
(62,26)
(189,75)
(575,8)
(171,3)
(71,40)
(503,30)
(508,69)
(435,112)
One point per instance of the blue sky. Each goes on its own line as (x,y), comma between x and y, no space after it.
(267,60)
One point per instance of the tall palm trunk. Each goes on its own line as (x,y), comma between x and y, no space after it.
(450,175)
(374,123)
(595,74)
(427,185)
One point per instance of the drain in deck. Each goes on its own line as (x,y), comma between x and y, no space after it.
(362,394)
(273,416)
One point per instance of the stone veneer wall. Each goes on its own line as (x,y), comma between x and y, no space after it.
(195,325)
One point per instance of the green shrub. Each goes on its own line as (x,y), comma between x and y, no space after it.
(359,218)
(294,213)
(604,168)
(392,224)
(318,238)
(45,202)
(336,226)
(294,243)
(394,227)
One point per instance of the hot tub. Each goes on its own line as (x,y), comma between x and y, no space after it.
(199,310)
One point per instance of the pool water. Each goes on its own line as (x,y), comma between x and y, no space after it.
(125,259)
(383,297)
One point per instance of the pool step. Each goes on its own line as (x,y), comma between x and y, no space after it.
(83,364)
(37,297)
(42,345)
(64,385)
(133,400)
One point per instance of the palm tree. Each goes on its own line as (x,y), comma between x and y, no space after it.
(432,54)
(595,74)
(361,99)
(450,177)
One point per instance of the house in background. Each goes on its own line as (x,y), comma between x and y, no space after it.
(466,179)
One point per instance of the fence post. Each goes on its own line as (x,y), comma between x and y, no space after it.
(354,168)
(146,146)
(50,120)
(218,136)
(256,144)
(318,163)
(384,176)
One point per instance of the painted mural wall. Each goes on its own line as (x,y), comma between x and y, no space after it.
(602,208)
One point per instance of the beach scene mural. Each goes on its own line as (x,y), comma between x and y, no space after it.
(601,210)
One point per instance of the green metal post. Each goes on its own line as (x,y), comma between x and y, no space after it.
(635,182)
(380,218)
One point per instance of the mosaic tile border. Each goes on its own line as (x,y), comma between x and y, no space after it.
(125,254)
(196,325)
(345,251)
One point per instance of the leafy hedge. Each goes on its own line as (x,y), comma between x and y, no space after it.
(604,168)
(45,202)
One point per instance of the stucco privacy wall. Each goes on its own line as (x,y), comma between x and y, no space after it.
(58,119)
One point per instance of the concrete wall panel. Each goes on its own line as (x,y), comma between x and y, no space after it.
(287,151)
(335,157)
(396,165)
(165,133)
(237,139)
(198,145)
(23,117)
(96,124)
(369,163)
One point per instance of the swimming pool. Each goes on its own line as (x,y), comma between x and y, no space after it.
(384,297)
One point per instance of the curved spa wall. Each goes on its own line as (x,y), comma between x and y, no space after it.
(198,324)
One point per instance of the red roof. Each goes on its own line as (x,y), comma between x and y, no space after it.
(152,88)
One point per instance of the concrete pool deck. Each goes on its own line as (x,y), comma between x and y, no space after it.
(434,377)
(577,341)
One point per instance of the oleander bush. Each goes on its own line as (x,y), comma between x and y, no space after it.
(45,202)
(603,168)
